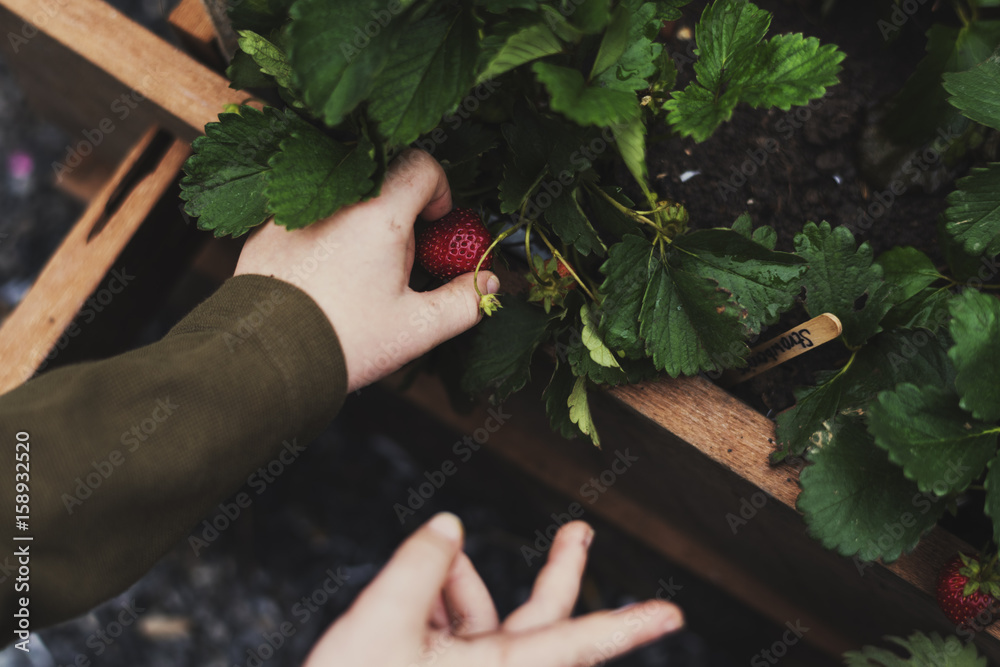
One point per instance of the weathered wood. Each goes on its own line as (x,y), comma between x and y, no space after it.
(193,24)
(87,254)
(188,93)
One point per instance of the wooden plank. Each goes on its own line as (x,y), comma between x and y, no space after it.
(87,254)
(193,25)
(190,93)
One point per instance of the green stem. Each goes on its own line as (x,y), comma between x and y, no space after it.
(507,232)
(625,209)
(527,253)
(572,271)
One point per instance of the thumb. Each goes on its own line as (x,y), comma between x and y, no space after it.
(406,591)
(454,307)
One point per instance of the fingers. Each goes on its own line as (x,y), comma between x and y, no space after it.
(558,584)
(450,309)
(593,639)
(408,588)
(415,184)
(468,601)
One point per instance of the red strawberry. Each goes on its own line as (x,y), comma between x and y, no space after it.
(966,587)
(563,271)
(453,245)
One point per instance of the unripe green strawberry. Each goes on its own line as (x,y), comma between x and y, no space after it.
(453,245)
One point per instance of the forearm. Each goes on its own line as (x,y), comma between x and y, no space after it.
(127,454)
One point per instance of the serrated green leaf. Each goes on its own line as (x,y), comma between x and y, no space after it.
(727,34)
(949,49)
(269,58)
(571,225)
(924,651)
(788,70)
(976,92)
(556,398)
(696,112)
(857,502)
(886,360)
(689,323)
(761,280)
(524,46)
(975,327)
(599,352)
(627,271)
(973,213)
(431,67)
(225,176)
(504,344)
(839,275)
(927,309)
(579,411)
(582,103)
(630,139)
(735,65)
(337,51)
(925,432)
(314,176)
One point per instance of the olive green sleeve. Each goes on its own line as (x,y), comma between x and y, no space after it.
(128,454)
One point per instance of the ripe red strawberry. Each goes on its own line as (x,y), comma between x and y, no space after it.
(563,272)
(966,587)
(453,245)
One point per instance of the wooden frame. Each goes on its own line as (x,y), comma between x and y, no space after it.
(703,451)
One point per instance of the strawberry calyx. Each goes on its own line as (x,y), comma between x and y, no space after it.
(549,283)
(489,304)
(982,575)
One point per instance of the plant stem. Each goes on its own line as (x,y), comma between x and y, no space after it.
(527,252)
(507,232)
(625,209)
(572,271)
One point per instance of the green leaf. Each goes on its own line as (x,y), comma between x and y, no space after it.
(926,433)
(337,50)
(734,65)
(226,174)
(579,411)
(524,46)
(973,213)
(627,272)
(927,309)
(727,34)
(244,73)
(626,62)
(975,326)
(839,275)
(599,352)
(268,57)
(763,281)
(429,70)
(908,271)
(583,104)
(949,49)
(630,139)
(856,501)
(556,398)
(504,6)
(589,16)
(886,360)
(924,651)
(314,176)
(976,92)
(571,225)
(503,347)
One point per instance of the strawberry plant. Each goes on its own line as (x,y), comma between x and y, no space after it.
(529,105)
(922,650)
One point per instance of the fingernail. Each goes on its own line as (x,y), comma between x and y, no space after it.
(447,525)
(492,285)
(588,539)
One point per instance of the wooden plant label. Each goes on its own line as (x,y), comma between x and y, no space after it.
(792,343)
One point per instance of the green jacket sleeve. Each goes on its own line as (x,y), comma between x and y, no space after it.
(129,453)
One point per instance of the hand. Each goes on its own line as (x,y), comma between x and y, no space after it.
(429,606)
(356,266)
